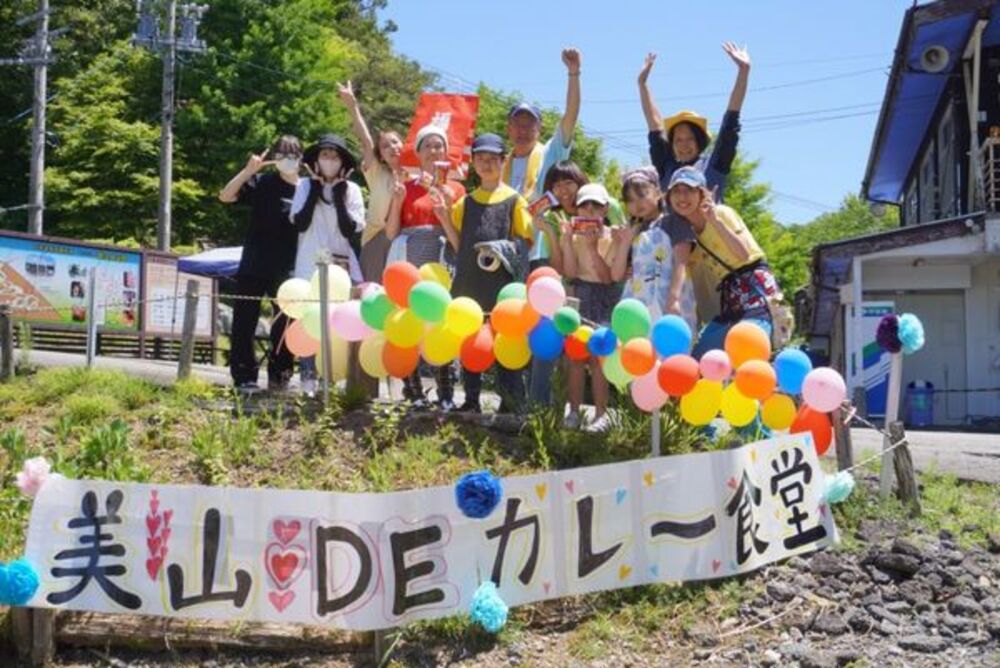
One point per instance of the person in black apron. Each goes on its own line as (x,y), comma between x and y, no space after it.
(493,219)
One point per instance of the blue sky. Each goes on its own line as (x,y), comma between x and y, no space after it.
(819,70)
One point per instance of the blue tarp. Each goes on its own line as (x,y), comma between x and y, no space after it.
(216,263)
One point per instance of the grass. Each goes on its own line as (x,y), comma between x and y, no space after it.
(103,424)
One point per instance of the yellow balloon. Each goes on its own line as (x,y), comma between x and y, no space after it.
(464,316)
(403,328)
(583,333)
(338,281)
(293,296)
(738,409)
(437,272)
(338,354)
(512,351)
(701,404)
(778,412)
(441,345)
(370,356)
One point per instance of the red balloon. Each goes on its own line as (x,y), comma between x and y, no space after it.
(397,279)
(818,424)
(678,374)
(542,271)
(576,349)
(477,351)
(400,362)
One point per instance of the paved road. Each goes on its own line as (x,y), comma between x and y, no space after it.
(969,456)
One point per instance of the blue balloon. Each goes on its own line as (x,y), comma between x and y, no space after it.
(671,335)
(791,366)
(545,341)
(602,342)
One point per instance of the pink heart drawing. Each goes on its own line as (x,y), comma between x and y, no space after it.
(286,532)
(152,524)
(284,564)
(732,483)
(716,564)
(546,586)
(153,567)
(153,544)
(167,514)
(282,600)
(154,503)
(165,535)
(569,486)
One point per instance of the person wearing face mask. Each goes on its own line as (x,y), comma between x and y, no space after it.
(269,248)
(384,176)
(418,238)
(683,138)
(328,211)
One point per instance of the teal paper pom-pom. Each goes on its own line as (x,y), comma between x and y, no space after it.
(488,609)
(838,487)
(911,333)
(18,582)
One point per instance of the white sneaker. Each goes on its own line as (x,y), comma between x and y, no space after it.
(572,420)
(308,386)
(601,424)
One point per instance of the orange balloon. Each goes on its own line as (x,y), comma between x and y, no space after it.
(746,341)
(513,317)
(539,273)
(678,374)
(818,424)
(400,362)
(397,279)
(638,356)
(756,379)
(576,349)
(299,342)
(477,351)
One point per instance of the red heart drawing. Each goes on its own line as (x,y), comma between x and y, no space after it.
(167,514)
(163,552)
(284,564)
(546,586)
(282,600)
(165,535)
(153,544)
(732,483)
(154,504)
(569,486)
(715,565)
(152,524)
(153,567)
(286,533)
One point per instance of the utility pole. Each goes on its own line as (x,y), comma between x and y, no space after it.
(148,35)
(37,53)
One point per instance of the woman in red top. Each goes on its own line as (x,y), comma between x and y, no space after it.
(417,235)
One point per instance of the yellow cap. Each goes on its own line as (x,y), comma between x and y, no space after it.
(691,117)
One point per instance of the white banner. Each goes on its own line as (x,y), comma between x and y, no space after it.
(369,561)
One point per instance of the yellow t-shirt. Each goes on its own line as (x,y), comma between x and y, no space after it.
(706,272)
(381,182)
(586,271)
(521,225)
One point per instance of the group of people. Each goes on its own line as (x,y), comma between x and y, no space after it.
(674,245)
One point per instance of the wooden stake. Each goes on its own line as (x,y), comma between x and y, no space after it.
(886,477)
(187,333)
(907,489)
(842,437)
(6,344)
(43,646)
(20,628)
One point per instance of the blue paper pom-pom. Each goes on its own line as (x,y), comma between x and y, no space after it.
(838,487)
(488,609)
(911,333)
(18,582)
(477,494)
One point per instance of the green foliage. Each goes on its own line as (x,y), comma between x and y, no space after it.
(88,408)
(106,454)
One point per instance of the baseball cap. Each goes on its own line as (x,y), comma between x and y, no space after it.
(529,108)
(592,192)
(689,176)
(489,143)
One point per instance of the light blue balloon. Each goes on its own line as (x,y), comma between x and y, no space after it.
(545,341)
(671,335)
(791,366)
(602,342)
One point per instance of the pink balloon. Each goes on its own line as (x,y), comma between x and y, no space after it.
(715,365)
(646,391)
(299,342)
(346,322)
(824,389)
(546,295)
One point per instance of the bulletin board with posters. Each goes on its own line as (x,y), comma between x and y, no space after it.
(45,281)
(164,305)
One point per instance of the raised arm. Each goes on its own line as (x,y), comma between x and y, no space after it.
(735,244)
(394,218)
(682,252)
(361,131)
(571,58)
(742,60)
(230,193)
(653,119)
(622,238)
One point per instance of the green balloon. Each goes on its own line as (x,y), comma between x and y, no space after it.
(375,308)
(615,372)
(512,291)
(566,320)
(429,300)
(630,320)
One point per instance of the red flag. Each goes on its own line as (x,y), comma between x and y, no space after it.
(456,115)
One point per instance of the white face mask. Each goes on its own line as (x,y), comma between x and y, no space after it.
(330,167)
(288,166)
